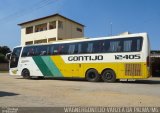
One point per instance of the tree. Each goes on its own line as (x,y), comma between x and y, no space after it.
(2,58)
(3,51)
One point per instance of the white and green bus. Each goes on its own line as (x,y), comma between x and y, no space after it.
(106,58)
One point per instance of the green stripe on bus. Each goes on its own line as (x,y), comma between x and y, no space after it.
(51,66)
(42,66)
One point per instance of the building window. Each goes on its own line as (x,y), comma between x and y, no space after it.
(51,39)
(79,29)
(29,43)
(60,24)
(52,25)
(29,30)
(40,41)
(41,27)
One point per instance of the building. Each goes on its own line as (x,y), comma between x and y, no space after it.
(50,28)
(155,63)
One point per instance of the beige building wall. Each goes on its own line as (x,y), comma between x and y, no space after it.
(68,31)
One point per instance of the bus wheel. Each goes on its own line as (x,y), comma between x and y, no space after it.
(26,74)
(92,75)
(108,76)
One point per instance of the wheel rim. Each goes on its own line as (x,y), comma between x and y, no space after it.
(26,74)
(92,75)
(108,76)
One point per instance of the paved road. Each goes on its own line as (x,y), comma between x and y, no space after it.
(15,91)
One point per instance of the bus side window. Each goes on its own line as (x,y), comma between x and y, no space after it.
(41,50)
(55,49)
(76,48)
(137,44)
(90,47)
(60,49)
(84,46)
(106,46)
(127,45)
(71,49)
(99,47)
(51,50)
(79,48)
(31,51)
(114,46)
(25,51)
(65,48)
(102,47)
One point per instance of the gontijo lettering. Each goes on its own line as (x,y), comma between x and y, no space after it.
(85,58)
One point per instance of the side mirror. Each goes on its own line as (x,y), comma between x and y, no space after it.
(8,56)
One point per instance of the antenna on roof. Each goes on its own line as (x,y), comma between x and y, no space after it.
(111,28)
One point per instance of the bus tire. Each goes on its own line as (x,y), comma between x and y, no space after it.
(92,75)
(26,74)
(108,75)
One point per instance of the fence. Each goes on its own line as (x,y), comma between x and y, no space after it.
(4,67)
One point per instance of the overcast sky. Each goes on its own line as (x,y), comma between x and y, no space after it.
(134,16)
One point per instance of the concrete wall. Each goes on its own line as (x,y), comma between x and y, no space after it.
(155,66)
(4,66)
(69,30)
(38,35)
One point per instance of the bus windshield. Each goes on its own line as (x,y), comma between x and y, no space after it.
(15,57)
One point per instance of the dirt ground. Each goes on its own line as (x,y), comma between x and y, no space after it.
(19,92)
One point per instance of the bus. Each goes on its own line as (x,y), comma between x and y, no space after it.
(104,58)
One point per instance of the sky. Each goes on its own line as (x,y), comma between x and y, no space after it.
(134,16)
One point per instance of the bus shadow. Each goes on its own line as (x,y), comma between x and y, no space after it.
(3,94)
(141,82)
(83,80)
(57,78)
(62,79)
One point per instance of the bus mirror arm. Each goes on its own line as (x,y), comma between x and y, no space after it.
(8,56)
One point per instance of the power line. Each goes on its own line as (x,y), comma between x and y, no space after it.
(22,10)
(25,11)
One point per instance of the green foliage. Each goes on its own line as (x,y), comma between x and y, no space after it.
(2,58)
(3,51)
